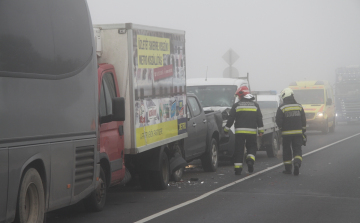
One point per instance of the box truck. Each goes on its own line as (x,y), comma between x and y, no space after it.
(149,66)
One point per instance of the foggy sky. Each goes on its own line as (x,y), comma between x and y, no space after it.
(278,41)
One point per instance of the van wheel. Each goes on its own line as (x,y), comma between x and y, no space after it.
(161,178)
(96,200)
(177,175)
(273,149)
(332,128)
(209,160)
(325,129)
(31,203)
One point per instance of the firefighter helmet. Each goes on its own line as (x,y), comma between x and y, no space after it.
(242,91)
(287,92)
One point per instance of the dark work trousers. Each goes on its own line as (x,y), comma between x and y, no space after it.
(251,146)
(292,148)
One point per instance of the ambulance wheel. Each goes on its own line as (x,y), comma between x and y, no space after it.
(161,177)
(273,148)
(177,175)
(95,202)
(325,129)
(209,160)
(31,202)
(332,128)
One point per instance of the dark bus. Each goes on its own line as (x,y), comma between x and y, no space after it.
(48,107)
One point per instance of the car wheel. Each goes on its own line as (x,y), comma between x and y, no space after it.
(332,128)
(325,129)
(209,160)
(273,149)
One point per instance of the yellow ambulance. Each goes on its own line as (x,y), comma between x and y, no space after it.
(317,99)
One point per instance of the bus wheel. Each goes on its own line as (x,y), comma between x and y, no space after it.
(96,200)
(31,203)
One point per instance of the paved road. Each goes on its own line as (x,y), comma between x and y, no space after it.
(327,190)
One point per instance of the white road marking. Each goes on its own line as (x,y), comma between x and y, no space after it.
(231,184)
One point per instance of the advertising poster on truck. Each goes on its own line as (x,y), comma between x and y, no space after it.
(158,85)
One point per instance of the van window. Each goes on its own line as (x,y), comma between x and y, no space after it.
(56,41)
(309,96)
(107,93)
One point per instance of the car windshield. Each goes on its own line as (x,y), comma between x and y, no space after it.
(217,95)
(309,96)
(267,104)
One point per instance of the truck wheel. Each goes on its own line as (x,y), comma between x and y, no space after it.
(209,160)
(161,178)
(332,128)
(177,175)
(31,203)
(325,129)
(274,147)
(96,200)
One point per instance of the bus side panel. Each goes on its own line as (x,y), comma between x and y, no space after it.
(62,163)
(4,178)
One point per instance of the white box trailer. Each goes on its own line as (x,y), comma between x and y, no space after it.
(151,73)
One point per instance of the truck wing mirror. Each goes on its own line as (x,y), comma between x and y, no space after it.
(118,109)
(328,101)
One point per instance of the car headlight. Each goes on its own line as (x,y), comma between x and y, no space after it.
(320,114)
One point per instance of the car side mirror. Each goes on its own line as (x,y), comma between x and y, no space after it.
(329,101)
(118,109)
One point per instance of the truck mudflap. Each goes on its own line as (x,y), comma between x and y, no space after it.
(177,162)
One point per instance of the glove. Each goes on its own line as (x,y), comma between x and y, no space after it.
(304,140)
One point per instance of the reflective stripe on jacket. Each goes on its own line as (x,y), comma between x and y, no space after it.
(247,117)
(290,117)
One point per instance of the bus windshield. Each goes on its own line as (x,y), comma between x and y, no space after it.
(309,96)
(216,95)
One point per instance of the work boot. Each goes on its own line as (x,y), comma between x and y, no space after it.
(287,169)
(296,169)
(238,171)
(250,165)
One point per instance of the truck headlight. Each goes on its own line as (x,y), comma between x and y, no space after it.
(320,114)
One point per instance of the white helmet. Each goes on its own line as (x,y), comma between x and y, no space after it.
(287,92)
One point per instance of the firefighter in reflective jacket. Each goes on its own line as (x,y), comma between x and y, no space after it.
(248,118)
(290,118)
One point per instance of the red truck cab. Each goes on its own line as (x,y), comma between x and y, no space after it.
(111,136)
